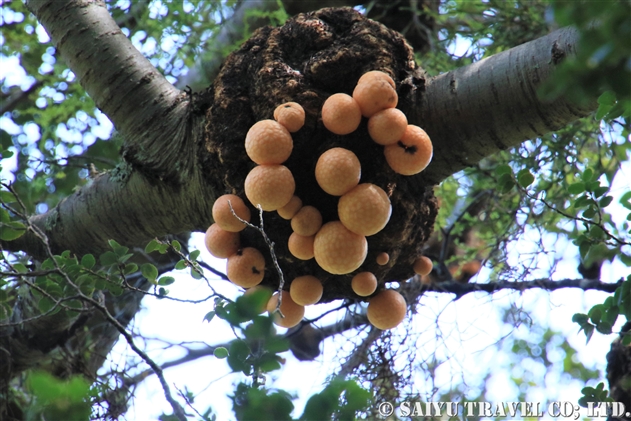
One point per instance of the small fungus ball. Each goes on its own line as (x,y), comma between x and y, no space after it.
(271,186)
(307,221)
(383,258)
(268,142)
(221,243)
(264,292)
(224,217)
(364,283)
(341,114)
(291,115)
(387,126)
(386,309)
(412,154)
(290,209)
(365,210)
(337,171)
(293,312)
(301,247)
(375,91)
(306,290)
(246,267)
(422,266)
(338,250)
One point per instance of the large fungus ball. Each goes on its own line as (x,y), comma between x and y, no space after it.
(337,171)
(422,266)
(246,267)
(300,246)
(364,283)
(307,221)
(375,91)
(338,250)
(271,186)
(293,312)
(387,126)
(268,142)
(306,290)
(291,115)
(223,216)
(386,309)
(341,114)
(291,208)
(221,243)
(365,210)
(412,154)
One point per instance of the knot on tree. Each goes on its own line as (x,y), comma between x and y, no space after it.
(311,57)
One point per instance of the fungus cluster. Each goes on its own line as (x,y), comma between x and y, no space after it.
(363,209)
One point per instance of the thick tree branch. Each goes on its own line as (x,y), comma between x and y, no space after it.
(492,105)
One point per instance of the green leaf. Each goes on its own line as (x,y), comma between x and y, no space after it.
(607,98)
(602,111)
(149,271)
(130,268)
(221,352)
(108,258)
(181,265)
(152,246)
(10,231)
(576,188)
(503,169)
(505,183)
(194,255)
(88,261)
(4,296)
(587,175)
(605,201)
(525,178)
(209,316)
(625,200)
(166,280)
(600,190)
(176,245)
(7,197)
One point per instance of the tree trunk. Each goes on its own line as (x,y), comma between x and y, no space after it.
(182,151)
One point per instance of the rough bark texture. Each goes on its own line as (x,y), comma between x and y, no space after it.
(311,57)
(619,372)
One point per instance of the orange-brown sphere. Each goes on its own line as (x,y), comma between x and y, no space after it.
(383,258)
(387,126)
(293,312)
(246,267)
(291,115)
(338,250)
(223,216)
(412,154)
(221,243)
(365,210)
(341,114)
(422,265)
(271,186)
(307,221)
(386,309)
(337,171)
(364,283)
(306,290)
(300,246)
(375,91)
(291,208)
(268,142)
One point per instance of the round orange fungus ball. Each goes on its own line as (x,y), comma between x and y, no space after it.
(293,312)
(268,142)
(364,284)
(341,114)
(291,115)
(387,126)
(337,171)
(221,243)
(300,246)
(223,216)
(246,267)
(290,209)
(307,221)
(412,154)
(386,309)
(271,186)
(375,91)
(383,258)
(365,210)
(423,266)
(306,290)
(338,250)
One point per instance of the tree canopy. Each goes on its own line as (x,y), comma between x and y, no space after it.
(121,123)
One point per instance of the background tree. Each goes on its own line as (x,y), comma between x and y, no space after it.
(179,150)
